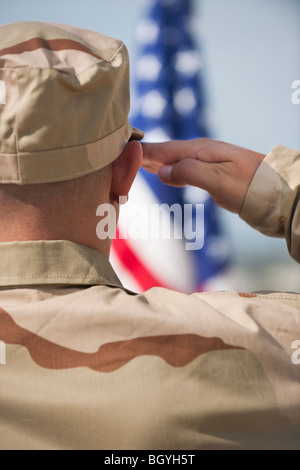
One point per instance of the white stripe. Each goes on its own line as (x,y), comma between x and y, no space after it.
(166,259)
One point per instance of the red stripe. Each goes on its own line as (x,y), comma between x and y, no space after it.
(136,267)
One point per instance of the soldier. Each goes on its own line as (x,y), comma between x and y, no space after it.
(89,364)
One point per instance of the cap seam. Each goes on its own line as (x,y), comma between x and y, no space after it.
(69,146)
(76,74)
(116,52)
(65,176)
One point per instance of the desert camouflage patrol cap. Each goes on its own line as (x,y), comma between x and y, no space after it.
(64,102)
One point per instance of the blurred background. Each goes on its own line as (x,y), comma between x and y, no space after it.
(249,53)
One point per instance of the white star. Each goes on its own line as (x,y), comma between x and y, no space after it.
(153,104)
(185,101)
(157,135)
(147,32)
(187,62)
(148,67)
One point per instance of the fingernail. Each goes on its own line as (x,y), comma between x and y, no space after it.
(165,172)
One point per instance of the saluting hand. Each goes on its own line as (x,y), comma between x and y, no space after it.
(222,169)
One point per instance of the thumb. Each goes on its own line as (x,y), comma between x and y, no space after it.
(186,171)
(168,175)
(165,173)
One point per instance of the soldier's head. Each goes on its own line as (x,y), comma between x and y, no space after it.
(65,141)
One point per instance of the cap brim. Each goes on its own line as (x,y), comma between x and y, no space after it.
(137,134)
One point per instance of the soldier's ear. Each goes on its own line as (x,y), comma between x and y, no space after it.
(125,168)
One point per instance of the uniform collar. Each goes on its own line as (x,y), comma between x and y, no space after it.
(53,263)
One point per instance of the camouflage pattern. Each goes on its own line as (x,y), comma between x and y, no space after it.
(90,365)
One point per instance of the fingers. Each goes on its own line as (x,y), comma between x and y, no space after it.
(222,169)
(201,149)
(164,153)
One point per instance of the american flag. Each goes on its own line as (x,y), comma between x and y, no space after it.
(168,103)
